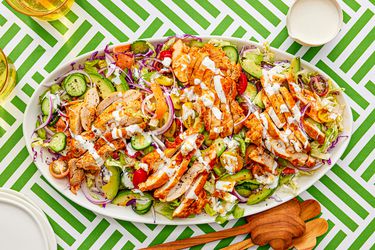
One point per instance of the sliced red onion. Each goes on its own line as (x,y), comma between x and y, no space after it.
(131,202)
(169,122)
(251,109)
(87,193)
(334,143)
(144,105)
(247,48)
(307,169)
(62,113)
(240,198)
(49,117)
(184,37)
(157,141)
(148,53)
(93,55)
(275,198)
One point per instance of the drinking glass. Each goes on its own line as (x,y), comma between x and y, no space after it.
(7,76)
(43,9)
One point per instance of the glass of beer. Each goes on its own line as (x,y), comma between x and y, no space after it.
(7,76)
(43,9)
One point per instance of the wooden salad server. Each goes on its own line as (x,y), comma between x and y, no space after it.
(286,215)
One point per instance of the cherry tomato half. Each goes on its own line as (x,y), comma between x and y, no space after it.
(58,169)
(242,83)
(164,54)
(139,176)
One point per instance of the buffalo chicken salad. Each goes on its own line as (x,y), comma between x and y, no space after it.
(186,127)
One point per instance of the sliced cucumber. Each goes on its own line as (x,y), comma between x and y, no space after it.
(260,196)
(58,142)
(46,107)
(232,53)
(41,132)
(105,86)
(142,205)
(141,141)
(140,47)
(258,100)
(75,84)
(195,43)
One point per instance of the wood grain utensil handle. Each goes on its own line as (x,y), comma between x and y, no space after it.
(240,245)
(201,239)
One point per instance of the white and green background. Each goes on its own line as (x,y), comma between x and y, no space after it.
(36,47)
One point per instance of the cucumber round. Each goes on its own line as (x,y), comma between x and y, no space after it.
(41,132)
(58,142)
(75,84)
(232,53)
(141,141)
(46,106)
(139,47)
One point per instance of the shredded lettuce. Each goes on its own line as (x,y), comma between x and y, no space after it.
(219,42)
(209,210)
(167,208)
(268,55)
(238,212)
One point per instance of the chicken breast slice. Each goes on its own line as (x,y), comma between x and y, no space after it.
(73,113)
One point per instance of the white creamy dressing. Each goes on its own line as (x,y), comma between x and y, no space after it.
(296,146)
(143,166)
(189,94)
(218,130)
(175,92)
(209,64)
(89,146)
(189,144)
(96,131)
(127,180)
(167,61)
(265,125)
(131,151)
(116,80)
(116,133)
(217,113)
(187,112)
(108,143)
(197,81)
(275,118)
(226,186)
(133,130)
(55,99)
(271,181)
(230,162)
(219,89)
(231,143)
(116,115)
(314,21)
(208,99)
(284,108)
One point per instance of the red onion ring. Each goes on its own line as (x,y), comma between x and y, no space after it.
(158,142)
(240,198)
(252,108)
(87,193)
(169,122)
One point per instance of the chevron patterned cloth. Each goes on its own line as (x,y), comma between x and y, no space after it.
(37,48)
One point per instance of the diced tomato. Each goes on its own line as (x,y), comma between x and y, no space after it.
(165,53)
(115,155)
(287,171)
(139,176)
(121,48)
(124,61)
(242,83)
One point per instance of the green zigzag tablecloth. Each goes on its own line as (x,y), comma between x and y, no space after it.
(37,48)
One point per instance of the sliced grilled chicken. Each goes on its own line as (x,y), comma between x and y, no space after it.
(93,159)
(191,196)
(313,131)
(258,155)
(255,129)
(180,61)
(76,175)
(73,113)
(127,97)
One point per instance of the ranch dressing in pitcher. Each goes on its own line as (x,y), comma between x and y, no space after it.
(314,22)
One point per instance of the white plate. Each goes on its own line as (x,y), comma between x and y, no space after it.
(125,213)
(22,224)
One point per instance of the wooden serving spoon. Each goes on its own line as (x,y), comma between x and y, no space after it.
(315,228)
(244,229)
